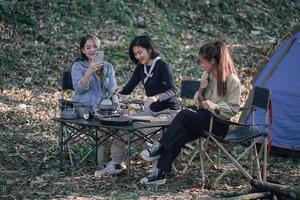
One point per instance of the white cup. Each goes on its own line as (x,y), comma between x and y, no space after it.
(86,115)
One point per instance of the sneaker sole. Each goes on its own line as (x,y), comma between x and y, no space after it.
(106,174)
(151,159)
(158,182)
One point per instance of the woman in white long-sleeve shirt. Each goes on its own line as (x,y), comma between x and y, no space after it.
(219,91)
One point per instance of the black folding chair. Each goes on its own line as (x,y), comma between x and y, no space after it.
(246,135)
(66,84)
(72,135)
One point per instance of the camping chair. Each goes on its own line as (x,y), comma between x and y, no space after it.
(66,84)
(73,138)
(247,135)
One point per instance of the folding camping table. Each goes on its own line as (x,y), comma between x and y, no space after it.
(97,131)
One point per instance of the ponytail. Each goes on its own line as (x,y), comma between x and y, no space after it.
(225,68)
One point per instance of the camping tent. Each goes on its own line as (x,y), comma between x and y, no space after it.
(282,76)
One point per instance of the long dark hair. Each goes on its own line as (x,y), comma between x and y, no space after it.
(96,40)
(145,42)
(225,66)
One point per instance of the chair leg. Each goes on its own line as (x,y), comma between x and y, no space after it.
(263,150)
(232,165)
(257,160)
(190,160)
(265,160)
(233,159)
(191,152)
(70,155)
(219,158)
(201,152)
(251,160)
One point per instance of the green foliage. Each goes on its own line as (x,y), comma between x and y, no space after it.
(118,10)
(42,36)
(25,18)
(230,20)
(85,7)
(13,11)
(79,151)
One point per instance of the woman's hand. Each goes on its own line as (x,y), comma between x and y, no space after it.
(209,105)
(87,76)
(116,89)
(150,100)
(203,84)
(94,67)
(202,88)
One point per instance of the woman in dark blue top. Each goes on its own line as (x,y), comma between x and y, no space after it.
(157,79)
(155,75)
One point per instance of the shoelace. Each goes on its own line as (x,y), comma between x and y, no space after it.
(155,147)
(153,175)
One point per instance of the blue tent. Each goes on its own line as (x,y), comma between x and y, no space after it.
(282,76)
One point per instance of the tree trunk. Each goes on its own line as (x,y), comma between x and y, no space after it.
(278,189)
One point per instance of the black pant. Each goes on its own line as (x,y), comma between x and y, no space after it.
(186,126)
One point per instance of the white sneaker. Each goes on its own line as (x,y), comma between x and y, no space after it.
(110,169)
(152,153)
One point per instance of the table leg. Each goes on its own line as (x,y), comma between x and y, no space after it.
(96,149)
(128,151)
(61,144)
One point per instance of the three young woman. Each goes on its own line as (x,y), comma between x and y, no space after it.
(222,91)
(219,92)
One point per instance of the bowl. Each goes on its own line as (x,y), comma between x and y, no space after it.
(69,113)
(111,107)
(83,109)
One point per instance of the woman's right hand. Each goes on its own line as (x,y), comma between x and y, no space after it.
(116,89)
(203,86)
(94,67)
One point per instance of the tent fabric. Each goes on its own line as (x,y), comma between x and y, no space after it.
(282,76)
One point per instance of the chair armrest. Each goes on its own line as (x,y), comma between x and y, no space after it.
(226,121)
(207,134)
(252,108)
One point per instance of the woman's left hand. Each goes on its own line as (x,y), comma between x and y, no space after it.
(210,105)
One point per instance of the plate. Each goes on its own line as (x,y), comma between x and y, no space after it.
(116,121)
